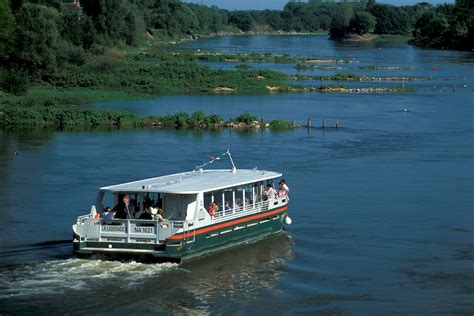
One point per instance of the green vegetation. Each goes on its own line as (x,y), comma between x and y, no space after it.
(280,124)
(19,116)
(41,39)
(47,42)
(447,26)
(161,78)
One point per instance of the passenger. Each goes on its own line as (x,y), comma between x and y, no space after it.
(108,213)
(147,214)
(121,209)
(159,215)
(283,189)
(211,210)
(269,194)
(283,184)
(216,206)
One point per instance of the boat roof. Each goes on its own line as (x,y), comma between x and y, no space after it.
(196,181)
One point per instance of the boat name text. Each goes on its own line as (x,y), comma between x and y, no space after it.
(143,230)
(107,228)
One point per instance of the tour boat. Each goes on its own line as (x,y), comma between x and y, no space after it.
(201,211)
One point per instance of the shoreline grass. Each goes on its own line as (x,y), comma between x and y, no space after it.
(15,117)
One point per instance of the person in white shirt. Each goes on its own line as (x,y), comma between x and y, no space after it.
(269,194)
(283,190)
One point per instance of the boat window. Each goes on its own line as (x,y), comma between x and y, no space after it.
(239,197)
(236,198)
(179,206)
(154,199)
(228,199)
(207,199)
(249,199)
(218,199)
(258,189)
(107,201)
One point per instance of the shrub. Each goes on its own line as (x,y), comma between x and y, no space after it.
(280,124)
(246,118)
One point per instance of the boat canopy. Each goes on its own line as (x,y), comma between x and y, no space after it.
(196,181)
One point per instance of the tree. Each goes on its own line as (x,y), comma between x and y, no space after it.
(243,20)
(446,26)
(370,4)
(7,26)
(78,29)
(341,21)
(390,19)
(116,21)
(363,22)
(36,42)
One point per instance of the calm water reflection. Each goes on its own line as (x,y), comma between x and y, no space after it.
(382,208)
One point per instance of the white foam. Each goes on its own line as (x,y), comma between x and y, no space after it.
(57,276)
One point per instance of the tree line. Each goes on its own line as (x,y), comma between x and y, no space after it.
(38,37)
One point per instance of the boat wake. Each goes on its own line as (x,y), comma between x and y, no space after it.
(61,276)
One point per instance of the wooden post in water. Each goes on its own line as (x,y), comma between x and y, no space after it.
(324,123)
(309,123)
(337,124)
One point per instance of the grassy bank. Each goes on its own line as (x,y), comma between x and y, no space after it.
(190,56)
(169,77)
(18,117)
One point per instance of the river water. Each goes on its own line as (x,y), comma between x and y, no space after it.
(382,208)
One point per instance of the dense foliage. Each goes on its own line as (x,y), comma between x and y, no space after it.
(447,26)
(45,41)
(25,116)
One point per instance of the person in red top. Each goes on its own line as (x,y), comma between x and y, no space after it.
(211,210)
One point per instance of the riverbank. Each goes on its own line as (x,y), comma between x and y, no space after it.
(58,117)
(147,71)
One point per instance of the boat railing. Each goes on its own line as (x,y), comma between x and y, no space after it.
(83,218)
(129,230)
(251,208)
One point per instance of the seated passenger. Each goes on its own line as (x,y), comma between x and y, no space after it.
(211,210)
(121,209)
(283,190)
(146,214)
(269,194)
(108,213)
(159,215)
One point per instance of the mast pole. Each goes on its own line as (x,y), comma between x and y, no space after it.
(234,169)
